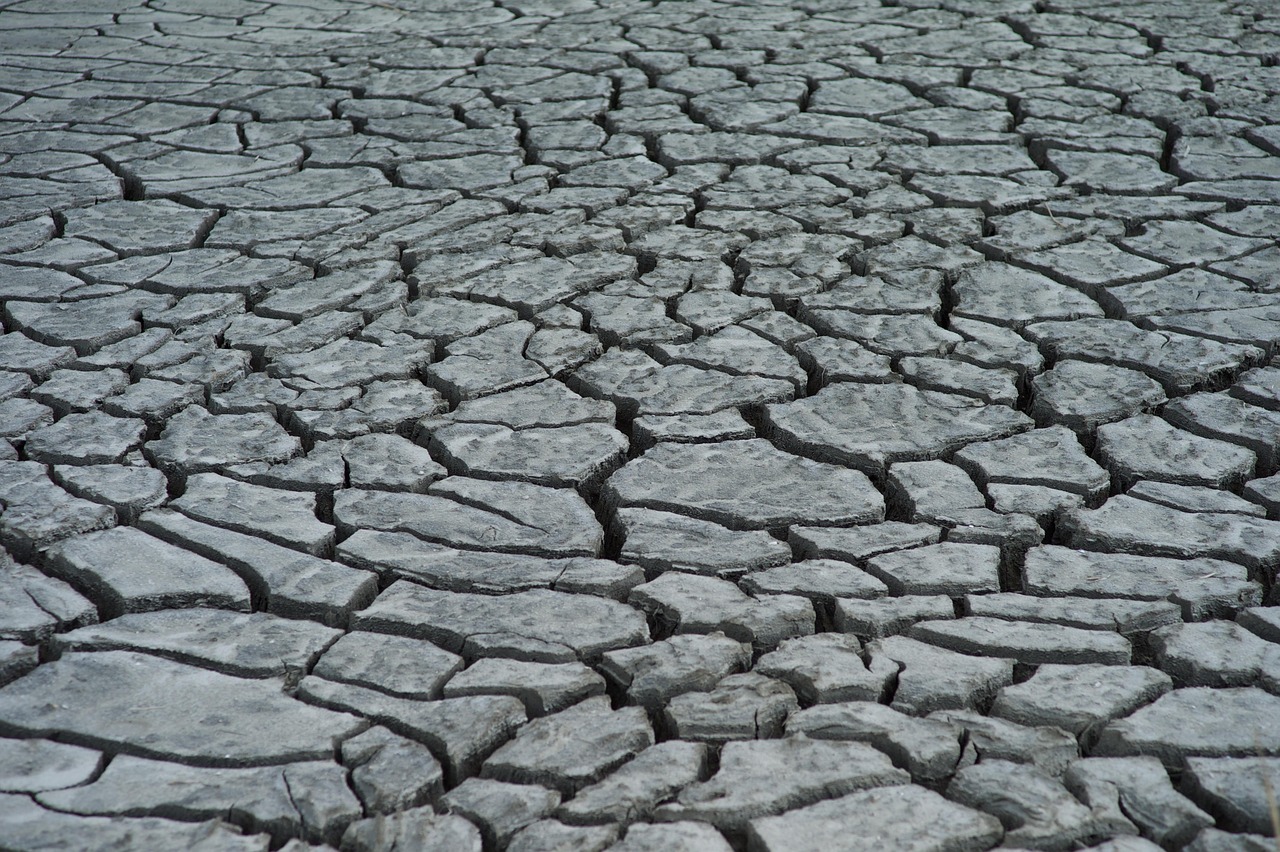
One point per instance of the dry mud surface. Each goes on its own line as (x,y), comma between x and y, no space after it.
(577,425)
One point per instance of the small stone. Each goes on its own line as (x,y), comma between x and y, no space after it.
(35,766)
(128,490)
(1123,616)
(311,799)
(654,674)
(939,569)
(927,491)
(1210,653)
(661,541)
(902,817)
(858,544)
(406,668)
(685,835)
(95,697)
(499,809)
(744,485)
(741,706)
(389,463)
(572,748)
(194,441)
(287,518)
(89,438)
(126,570)
(1147,447)
(543,687)
(1030,643)
(857,424)
(236,643)
(1050,457)
(827,668)
(1204,588)
(1138,788)
(418,828)
(548,835)
(476,514)
(1036,810)
(390,773)
(927,748)
(1126,525)
(285,581)
(821,580)
(1082,396)
(688,603)
(632,790)
(879,617)
(1082,698)
(766,777)
(1239,791)
(536,625)
(931,678)
(461,732)
(1197,722)
(988,737)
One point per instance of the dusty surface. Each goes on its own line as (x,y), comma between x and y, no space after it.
(553,424)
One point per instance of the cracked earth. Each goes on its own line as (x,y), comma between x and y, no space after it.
(578,424)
